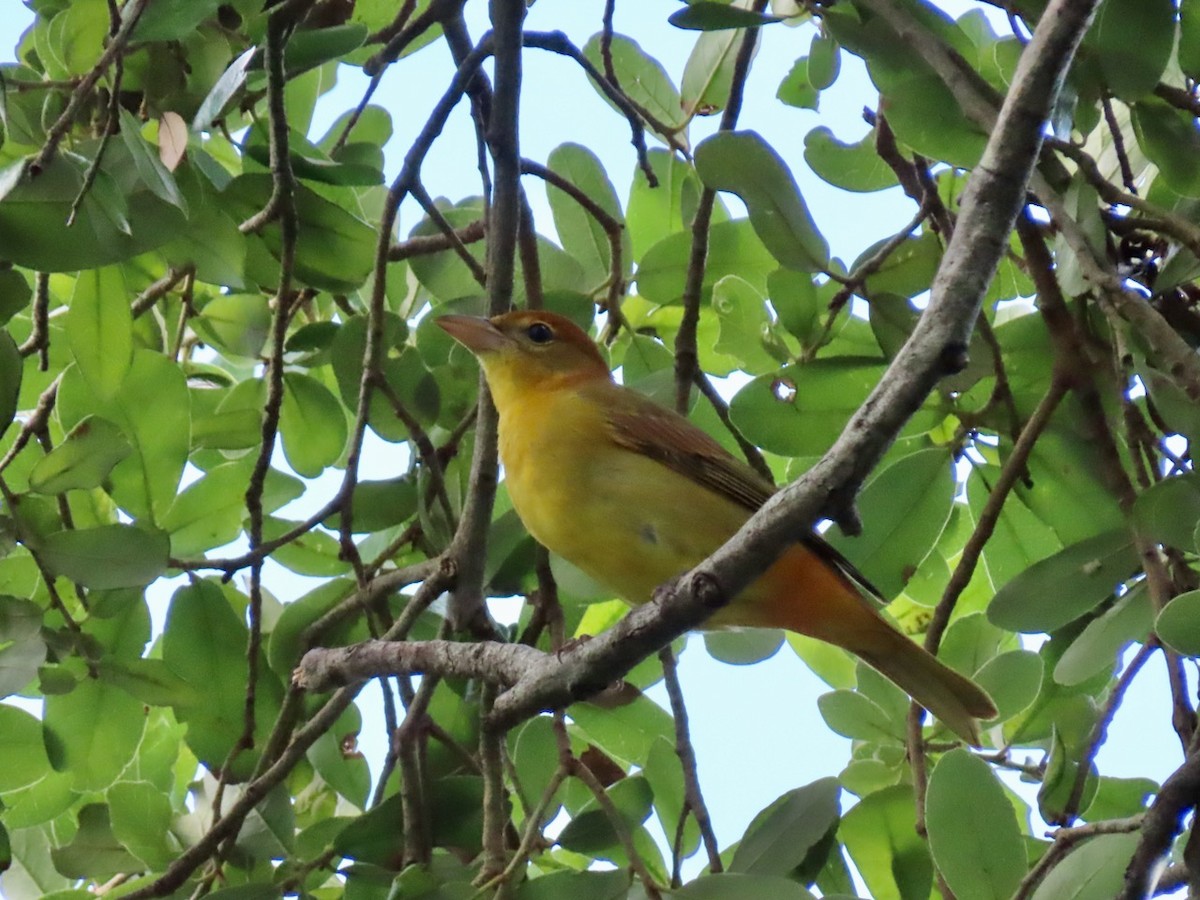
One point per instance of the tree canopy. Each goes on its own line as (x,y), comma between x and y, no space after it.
(210,315)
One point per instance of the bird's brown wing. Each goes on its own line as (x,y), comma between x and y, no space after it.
(641,425)
(644,427)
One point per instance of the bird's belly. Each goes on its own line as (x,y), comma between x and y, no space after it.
(627,521)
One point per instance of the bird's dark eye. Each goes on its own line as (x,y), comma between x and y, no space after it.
(540,333)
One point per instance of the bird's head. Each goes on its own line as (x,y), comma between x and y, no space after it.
(528,349)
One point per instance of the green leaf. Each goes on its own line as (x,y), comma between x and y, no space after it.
(1012,680)
(779,837)
(708,73)
(642,77)
(626,732)
(1168,137)
(83,460)
(1073,721)
(664,773)
(796,90)
(141,820)
(743,647)
(904,509)
(1117,798)
(1188,51)
(173,20)
(733,249)
(208,512)
(151,172)
(581,234)
(223,91)
(1167,512)
(92,733)
(313,47)
(11,374)
(741,886)
(1179,623)
(25,760)
(335,249)
(204,644)
(153,411)
(1094,870)
(341,766)
(654,213)
(380,504)
(745,320)
(881,837)
(703,15)
(811,74)
(94,851)
(287,637)
(22,650)
(78,33)
(1078,578)
(973,833)
(800,410)
(110,556)
(856,716)
(1098,647)
(743,163)
(1020,538)
(15,294)
(797,303)
(100,330)
(111,225)
(315,553)
(534,748)
(312,424)
(577,886)
(235,324)
(591,831)
(908,269)
(1132,68)
(831,664)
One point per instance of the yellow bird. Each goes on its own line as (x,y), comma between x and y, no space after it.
(634,495)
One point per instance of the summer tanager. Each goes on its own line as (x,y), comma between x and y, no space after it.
(635,495)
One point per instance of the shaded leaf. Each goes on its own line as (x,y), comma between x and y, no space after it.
(743,163)
(1065,586)
(110,556)
(779,837)
(973,833)
(708,16)
(1179,623)
(83,460)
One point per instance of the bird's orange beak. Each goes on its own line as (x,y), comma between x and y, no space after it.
(475,333)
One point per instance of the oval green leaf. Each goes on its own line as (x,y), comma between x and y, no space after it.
(780,836)
(973,831)
(904,509)
(1065,586)
(100,329)
(744,164)
(1179,624)
(83,460)
(110,556)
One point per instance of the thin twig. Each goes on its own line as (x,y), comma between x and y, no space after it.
(693,798)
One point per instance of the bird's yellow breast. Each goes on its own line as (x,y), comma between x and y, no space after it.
(628,521)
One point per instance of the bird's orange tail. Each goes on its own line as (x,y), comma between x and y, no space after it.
(803,593)
(953,698)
